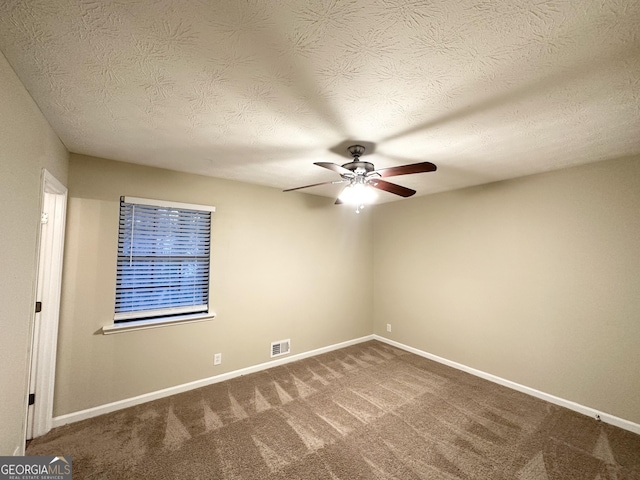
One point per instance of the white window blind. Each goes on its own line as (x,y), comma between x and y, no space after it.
(163,259)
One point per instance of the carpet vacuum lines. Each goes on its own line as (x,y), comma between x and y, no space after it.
(366,411)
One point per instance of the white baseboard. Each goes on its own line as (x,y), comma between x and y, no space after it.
(591,412)
(147,397)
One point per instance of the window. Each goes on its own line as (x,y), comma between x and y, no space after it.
(163,261)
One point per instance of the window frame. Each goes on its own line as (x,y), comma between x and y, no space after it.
(119,325)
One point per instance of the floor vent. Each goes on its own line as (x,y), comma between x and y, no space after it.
(281,347)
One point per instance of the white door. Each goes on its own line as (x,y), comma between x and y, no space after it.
(45,327)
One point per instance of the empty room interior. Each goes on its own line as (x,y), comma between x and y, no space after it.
(419,254)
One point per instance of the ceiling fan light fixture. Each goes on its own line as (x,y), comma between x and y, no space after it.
(357,194)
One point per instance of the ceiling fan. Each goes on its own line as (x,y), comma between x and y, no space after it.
(359,176)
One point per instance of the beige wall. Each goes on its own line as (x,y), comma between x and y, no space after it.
(27,144)
(283,266)
(536,280)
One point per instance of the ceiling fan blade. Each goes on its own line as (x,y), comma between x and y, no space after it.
(392,188)
(335,167)
(421,167)
(308,186)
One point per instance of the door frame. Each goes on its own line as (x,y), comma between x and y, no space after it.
(48,291)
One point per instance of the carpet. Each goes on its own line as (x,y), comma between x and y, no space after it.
(368,411)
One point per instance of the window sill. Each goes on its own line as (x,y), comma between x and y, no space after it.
(159,322)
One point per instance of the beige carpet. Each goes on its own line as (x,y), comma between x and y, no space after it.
(368,411)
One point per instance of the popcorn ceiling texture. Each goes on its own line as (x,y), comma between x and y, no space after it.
(258,90)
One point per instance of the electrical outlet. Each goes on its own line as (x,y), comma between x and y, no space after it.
(388,327)
(217,359)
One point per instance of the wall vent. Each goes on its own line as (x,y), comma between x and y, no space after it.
(281,347)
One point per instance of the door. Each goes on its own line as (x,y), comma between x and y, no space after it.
(48,288)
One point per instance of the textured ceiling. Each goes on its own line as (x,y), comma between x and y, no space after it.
(259,90)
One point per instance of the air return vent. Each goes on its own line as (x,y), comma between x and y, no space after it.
(281,347)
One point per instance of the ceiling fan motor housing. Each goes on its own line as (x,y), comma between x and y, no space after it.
(359,168)
(362,170)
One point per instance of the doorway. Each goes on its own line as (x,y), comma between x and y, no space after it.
(48,288)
